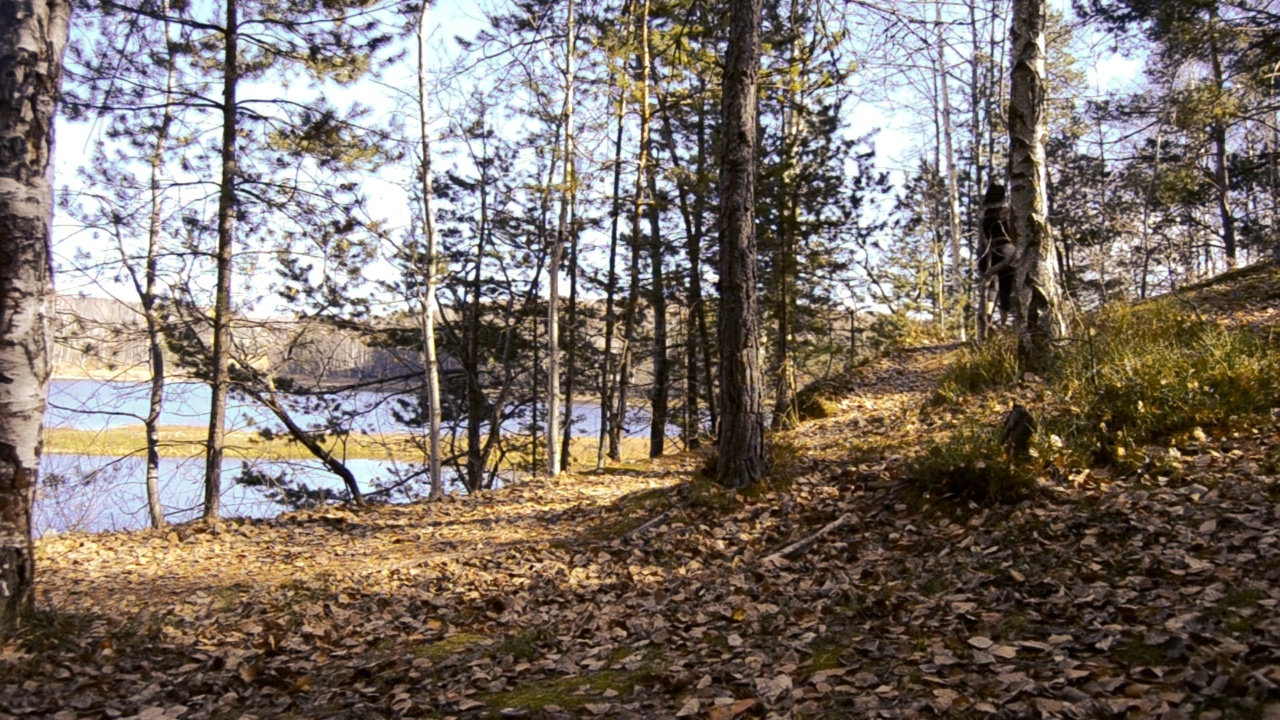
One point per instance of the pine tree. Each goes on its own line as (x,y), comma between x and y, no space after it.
(740,462)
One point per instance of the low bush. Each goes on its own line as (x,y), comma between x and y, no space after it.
(989,366)
(971,465)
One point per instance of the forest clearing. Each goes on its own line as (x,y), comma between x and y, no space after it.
(836,589)
(730,359)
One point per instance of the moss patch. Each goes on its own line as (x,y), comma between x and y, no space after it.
(571,693)
(448,647)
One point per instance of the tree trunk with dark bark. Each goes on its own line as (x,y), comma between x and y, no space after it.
(607,418)
(147,296)
(571,359)
(741,455)
(220,380)
(657,295)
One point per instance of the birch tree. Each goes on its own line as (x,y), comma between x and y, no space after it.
(1038,306)
(427,302)
(33,37)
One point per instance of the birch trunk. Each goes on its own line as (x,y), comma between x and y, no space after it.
(33,36)
(1039,315)
(147,296)
(427,301)
(977,287)
(953,181)
(1221,174)
(557,248)
(740,461)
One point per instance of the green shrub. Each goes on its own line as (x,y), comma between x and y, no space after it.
(1133,376)
(971,465)
(1145,374)
(989,366)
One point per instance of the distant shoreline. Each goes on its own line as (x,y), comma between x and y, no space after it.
(188,441)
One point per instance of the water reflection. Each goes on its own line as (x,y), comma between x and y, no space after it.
(94,493)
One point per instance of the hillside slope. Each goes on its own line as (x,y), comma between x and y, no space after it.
(834,592)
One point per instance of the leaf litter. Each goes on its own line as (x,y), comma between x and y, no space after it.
(647,594)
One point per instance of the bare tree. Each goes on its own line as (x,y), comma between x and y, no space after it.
(33,37)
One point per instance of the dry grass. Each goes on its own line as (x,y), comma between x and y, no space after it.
(189,442)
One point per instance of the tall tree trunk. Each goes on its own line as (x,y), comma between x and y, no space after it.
(1273,163)
(953,179)
(977,286)
(219,382)
(553,304)
(1039,315)
(741,457)
(785,413)
(33,36)
(657,295)
(475,392)
(427,301)
(630,317)
(537,365)
(148,299)
(1221,177)
(607,418)
(695,262)
(571,362)
(658,301)
(693,245)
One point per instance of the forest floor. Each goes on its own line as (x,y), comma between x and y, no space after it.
(651,593)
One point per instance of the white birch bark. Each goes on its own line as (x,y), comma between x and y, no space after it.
(427,299)
(33,37)
(953,181)
(1038,304)
(557,250)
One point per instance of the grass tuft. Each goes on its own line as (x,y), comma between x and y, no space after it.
(1145,374)
(970,465)
(992,365)
(1132,377)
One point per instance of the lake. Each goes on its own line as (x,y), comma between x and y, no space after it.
(96,493)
